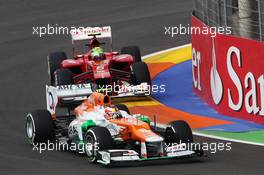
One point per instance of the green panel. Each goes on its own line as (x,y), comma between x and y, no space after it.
(144,119)
(87,124)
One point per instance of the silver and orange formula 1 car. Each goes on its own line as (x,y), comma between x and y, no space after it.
(109,133)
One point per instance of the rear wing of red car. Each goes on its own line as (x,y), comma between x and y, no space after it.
(89,32)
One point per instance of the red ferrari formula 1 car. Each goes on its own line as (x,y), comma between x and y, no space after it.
(113,73)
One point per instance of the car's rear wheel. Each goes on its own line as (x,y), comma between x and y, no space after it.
(122,107)
(39,127)
(54,63)
(178,132)
(96,139)
(63,77)
(140,73)
(132,50)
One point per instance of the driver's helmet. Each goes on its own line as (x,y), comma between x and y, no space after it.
(97,54)
(113,112)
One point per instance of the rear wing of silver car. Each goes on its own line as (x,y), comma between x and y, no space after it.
(54,94)
(77,92)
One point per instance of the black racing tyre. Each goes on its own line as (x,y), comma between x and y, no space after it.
(178,132)
(39,127)
(132,50)
(96,139)
(140,73)
(54,63)
(63,77)
(122,107)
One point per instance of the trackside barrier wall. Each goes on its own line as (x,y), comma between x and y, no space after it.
(228,73)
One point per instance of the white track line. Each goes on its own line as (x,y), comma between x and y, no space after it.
(198,133)
(163,126)
(228,139)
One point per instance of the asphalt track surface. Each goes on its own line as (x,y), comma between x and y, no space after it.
(23,72)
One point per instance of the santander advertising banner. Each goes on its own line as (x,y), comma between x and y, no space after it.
(228,73)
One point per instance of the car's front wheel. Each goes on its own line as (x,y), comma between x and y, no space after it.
(178,132)
(140,73)
(96,139)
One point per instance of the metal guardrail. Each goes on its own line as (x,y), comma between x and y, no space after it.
(245,17)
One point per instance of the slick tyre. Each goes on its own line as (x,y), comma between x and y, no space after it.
(96,139)
(132,50)
(140,73)
(39,127)
(63,77)
(54,63)
(178,132)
